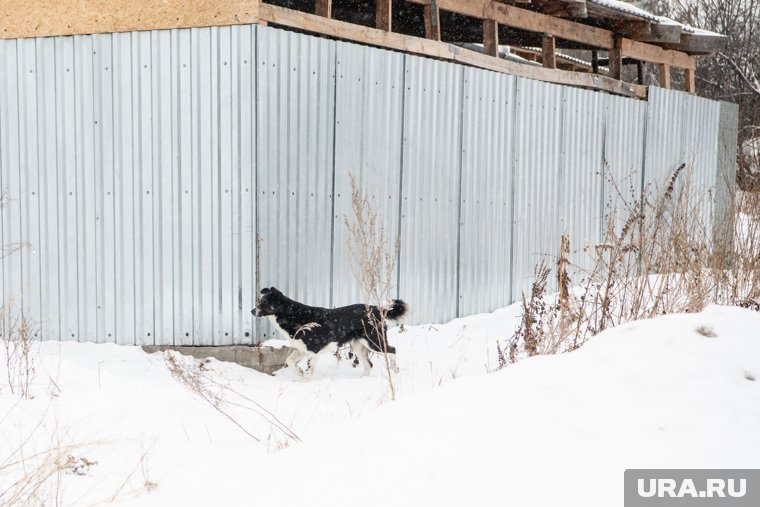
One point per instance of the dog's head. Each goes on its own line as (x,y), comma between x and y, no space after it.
(269,303)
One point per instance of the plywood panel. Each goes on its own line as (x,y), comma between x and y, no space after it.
(34,18)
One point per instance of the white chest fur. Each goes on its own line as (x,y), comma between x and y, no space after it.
(296,344)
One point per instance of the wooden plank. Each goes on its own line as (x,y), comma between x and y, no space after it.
(39,18)
(656,54)
(548,51)
(664,75)
(323,8)
(524,19)
(562,8)
(616,60)
(527,20)
(432,20)
(384,15)
(435,49)
(690,79)
(491,37)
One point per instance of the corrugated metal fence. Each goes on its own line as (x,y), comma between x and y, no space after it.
(151,173)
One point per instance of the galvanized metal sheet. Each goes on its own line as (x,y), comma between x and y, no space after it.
(537,229)
(142,167)
(368,127)
(131,159)
(700,147)
(486,191)
(296,117)
(581,187)
(430,189)
(726,169)
(624,136)
(664,140)
(11,158)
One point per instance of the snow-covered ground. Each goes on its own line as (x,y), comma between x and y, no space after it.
(676,391)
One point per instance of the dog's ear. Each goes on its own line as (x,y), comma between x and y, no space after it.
(265,291)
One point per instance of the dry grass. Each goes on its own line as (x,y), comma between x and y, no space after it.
(18,339)
(195,376)
(664,258)
(373,261)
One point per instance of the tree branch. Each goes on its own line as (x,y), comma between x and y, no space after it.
(736,68)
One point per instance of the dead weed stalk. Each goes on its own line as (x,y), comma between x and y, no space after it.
(373,259)
(664,258)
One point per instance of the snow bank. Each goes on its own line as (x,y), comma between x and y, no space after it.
(555,430)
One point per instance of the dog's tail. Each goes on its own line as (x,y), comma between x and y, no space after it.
(396,310)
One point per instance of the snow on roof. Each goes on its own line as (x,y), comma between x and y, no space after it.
(624,7)
(632,10)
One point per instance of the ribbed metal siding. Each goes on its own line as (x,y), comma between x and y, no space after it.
(581,217)
(135,178)
(700,145)
(486,201)
(726,170)
(140,166)
(430,188)
(537,178)
(368,127)
(664,138)
(624,136)
(296,117)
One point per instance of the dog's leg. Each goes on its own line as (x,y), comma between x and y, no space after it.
(361,349)
(311,364)
(292,361)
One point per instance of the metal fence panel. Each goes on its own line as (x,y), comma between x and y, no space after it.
(726,168)
(296,115)
(537,178)
(700,145)
(368,126)
(486,201)
(430,188)
(12,155)
(581,215)
(161,177)
(624,136)
(664,139)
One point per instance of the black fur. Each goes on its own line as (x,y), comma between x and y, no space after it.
(338,325)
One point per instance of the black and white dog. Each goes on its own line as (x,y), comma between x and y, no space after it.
(312,330)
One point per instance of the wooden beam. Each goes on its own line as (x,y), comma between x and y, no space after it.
(664,75)
(432,20)
(528,20)
(689,79)
(548,51)
(656,54)
(435,49)
(595,61)
(323,8)
(524,19)
(562,8)
(384,15)
(616,60)
(491,37)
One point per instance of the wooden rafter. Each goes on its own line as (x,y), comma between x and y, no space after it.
(384,15)
(323,8)
(436,49)
(548,51)
(491,37)
(531,21)
(432,20)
